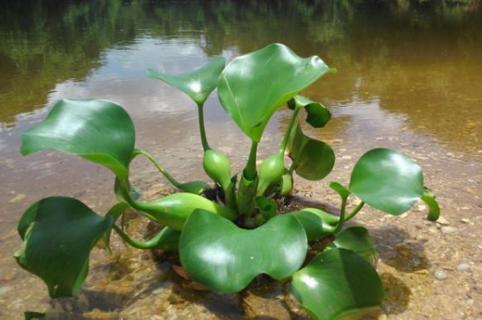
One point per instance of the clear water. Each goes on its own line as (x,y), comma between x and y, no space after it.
(409,77)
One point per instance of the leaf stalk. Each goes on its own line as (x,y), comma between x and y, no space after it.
(202,128)
(288,132)
(158,166)
(355,211)
(250,169)
(159,240)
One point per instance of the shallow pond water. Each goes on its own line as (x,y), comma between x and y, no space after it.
(409,77)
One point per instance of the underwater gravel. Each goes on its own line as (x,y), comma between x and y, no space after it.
(429,270)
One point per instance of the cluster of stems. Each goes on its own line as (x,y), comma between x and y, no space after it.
(241,197)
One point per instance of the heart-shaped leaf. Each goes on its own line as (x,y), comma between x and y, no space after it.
(387,181)
(197,84)
(312,159)
(358,240)
(253,86)
(58,234)
(97,130)
(317,115)
(225,258)
(338,284)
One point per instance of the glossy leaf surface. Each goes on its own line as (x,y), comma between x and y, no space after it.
(358,240)
(58,234)
(338,284)
(225,258)
(312,159)
(218,167)
(270,171)
(286,185)
(317,115)
(343,192)
(253,86)
(197,84)
(97,130)
(173,210)
(387,180)
(316,222)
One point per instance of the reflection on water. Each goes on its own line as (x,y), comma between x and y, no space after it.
(419,60)
(409,75)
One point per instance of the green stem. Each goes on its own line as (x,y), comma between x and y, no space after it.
(292,168)
(355,211)
(248,184)
(250,169)
(202,129)
(123,187)
(158,166)
(341,220)
(431,202)
(288,132)
(153,243)
(295,162)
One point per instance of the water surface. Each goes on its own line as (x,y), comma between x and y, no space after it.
(409,77)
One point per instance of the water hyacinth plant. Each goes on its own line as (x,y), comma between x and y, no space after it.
(225,243)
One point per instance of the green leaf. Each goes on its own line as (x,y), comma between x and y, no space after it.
(387,181)
(317,114)
(58,234)
(316,222)
(434,208)
(338,284)
(358,240)
(343,192)
(312,159)
(197,84)
(97,130)
(225,258)
(253,86)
